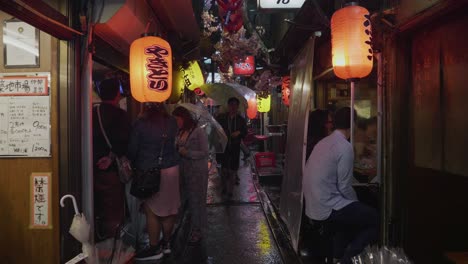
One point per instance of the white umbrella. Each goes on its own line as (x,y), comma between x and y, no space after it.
(79,228)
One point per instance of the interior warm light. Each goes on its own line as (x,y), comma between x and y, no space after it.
(264,104)
(351,42)
(150,69)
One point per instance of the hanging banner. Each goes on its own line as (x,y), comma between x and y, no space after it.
(245,67)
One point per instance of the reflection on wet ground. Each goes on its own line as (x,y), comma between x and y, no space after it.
(238,232)
(244,192)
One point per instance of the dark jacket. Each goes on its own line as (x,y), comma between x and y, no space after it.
(116,124)
(230,158)
(146,141)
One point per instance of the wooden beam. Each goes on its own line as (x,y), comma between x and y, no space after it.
(41,16)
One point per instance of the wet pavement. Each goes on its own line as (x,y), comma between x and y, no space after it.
(238,231)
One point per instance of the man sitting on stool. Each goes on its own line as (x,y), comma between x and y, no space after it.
(330,197)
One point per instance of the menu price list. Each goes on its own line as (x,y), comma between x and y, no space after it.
(25,126)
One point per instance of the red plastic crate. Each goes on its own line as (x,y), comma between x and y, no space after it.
(265,159)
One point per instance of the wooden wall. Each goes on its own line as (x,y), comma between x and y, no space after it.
(426,165)
(19,243)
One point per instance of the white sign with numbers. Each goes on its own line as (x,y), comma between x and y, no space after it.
(280,4)
(24,117)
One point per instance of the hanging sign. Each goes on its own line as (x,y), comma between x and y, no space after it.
(285,90)
(280,4)
(245,67)
(41,197)
(150,69)
(264,104)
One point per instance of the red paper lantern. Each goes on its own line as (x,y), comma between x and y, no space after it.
(245,67)
(285,90)
(230,12)
(351,42)
(252,108)
(150,69)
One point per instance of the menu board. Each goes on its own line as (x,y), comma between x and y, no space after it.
(24,117)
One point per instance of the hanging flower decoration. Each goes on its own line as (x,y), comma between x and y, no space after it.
(235,47)
(265,82)
(210,23)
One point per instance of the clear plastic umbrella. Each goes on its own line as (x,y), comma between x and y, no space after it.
(243,90)
(216,136)
(80,229)
(221,92)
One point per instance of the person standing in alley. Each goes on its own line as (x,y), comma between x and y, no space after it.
(109,192)
(329,194)
(152,139)
(192,144)
(235,128)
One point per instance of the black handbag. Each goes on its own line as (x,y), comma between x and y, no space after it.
(146,182)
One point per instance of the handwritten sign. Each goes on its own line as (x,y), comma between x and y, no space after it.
(40,207)
(24,118)
(24,86)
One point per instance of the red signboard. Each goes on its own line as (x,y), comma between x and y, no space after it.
(246,67)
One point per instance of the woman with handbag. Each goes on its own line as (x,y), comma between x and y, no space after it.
(192,144)
(152,148)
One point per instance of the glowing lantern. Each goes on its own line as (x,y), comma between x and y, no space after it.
(192,75)
(264,104)
(178,86)
(351,42)
(230,12)
(150,69)
(285,91)
(252,108)
(245,67)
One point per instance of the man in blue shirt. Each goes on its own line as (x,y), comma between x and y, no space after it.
(330,197)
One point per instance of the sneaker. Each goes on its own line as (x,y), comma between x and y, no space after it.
(166,247)
(150,253)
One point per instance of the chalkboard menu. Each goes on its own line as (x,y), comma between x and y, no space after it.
(24,117)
